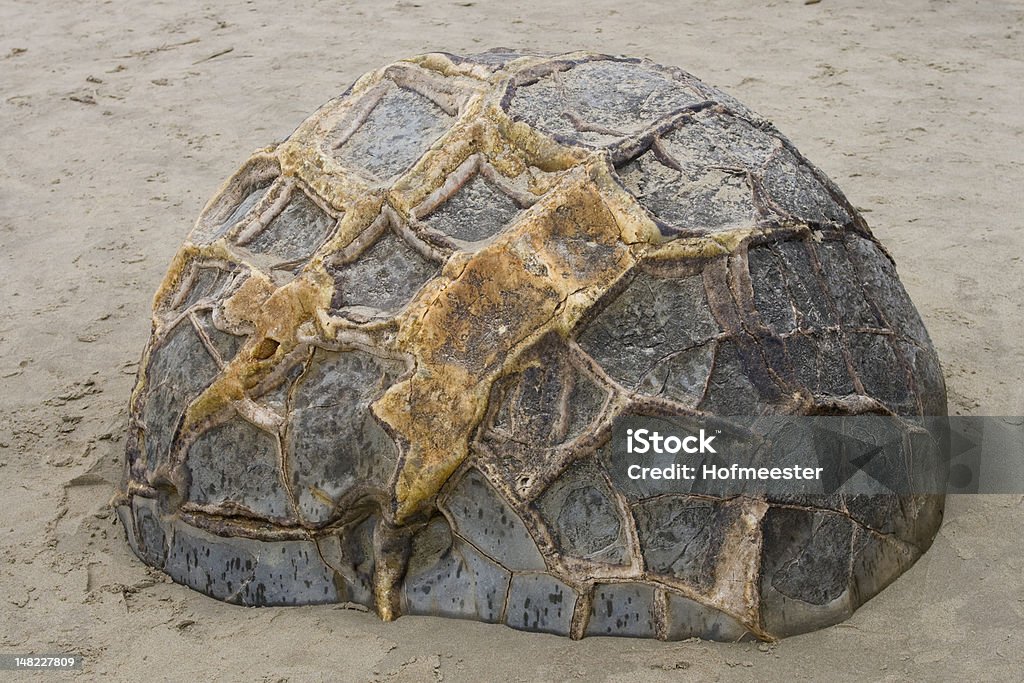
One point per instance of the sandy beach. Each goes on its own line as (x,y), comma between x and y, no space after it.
(120,120)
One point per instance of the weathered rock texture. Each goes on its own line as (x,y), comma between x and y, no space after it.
(386,362)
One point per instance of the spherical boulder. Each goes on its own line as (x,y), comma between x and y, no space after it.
(387,363)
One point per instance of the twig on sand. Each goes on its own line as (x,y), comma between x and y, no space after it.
(214,55)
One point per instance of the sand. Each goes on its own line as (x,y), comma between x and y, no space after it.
(120,119)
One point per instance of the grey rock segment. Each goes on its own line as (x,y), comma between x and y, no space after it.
(295,232)
(334,444)
(477,211)
(622,609)
(540,602)
(384,278)
(449,577)
(478,513)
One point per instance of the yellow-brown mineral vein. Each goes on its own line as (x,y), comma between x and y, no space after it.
(277,316)
(542,275)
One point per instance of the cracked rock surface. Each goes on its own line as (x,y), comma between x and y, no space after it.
(386,363)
